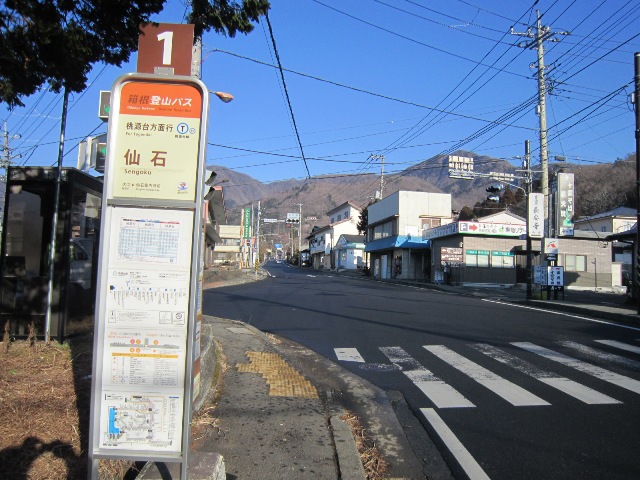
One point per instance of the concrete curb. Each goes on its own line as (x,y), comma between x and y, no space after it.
(349,462)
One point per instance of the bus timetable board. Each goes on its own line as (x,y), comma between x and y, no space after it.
(151,236)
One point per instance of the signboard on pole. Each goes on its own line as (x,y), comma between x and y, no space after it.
(535,215)
(165,48)
(156,141)
(246,222)
(151,238)
(565,204)
(555,276)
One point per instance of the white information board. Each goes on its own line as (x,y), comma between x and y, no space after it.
(145,334)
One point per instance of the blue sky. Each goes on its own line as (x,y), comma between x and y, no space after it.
(409,79)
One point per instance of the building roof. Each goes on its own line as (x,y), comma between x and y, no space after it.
(345,204)
(626,235)
(353,238)
(616,212)
(490,218)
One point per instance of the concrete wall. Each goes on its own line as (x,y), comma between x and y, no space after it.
(410,206)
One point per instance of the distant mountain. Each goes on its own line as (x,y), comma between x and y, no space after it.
(598,187)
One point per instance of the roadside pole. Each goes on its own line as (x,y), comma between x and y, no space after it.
(529,274)
(636,257)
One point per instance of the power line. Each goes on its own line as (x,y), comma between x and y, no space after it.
(284,85)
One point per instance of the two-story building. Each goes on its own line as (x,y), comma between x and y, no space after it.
(394,233)
(617,220)
(343,220)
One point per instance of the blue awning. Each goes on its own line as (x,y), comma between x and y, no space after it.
(397,241)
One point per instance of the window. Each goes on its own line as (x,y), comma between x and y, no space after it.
(502,259)
(383,230)
(476,258)
(575,263)
(339,217)
(430,223)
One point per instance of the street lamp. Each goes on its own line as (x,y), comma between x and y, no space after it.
(223,96)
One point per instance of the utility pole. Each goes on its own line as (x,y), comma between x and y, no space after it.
(300,235)
(257,260)
(6,157)
(636,258)
(381,158)
(527,168)
(541,35)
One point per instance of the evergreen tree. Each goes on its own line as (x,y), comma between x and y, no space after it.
(58,41)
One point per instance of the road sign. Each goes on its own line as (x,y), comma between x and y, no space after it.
(165,48)
(551,246)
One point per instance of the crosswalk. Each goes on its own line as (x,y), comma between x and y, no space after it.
(528,360)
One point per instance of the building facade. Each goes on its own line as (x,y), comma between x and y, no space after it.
(349,252)
(394,233)
(343,221)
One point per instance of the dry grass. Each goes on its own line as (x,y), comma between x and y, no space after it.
(44,406)
(375,467)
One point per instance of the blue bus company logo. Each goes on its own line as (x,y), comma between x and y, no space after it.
(183,187)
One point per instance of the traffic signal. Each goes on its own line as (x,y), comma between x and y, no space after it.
(101,157)
(495,190)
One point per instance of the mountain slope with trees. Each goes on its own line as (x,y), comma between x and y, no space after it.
(599,187)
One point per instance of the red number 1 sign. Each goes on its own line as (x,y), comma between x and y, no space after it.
(165,48)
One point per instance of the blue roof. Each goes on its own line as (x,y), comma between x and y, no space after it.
(397,241)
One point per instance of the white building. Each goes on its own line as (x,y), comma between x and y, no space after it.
(343,221)
(394,232)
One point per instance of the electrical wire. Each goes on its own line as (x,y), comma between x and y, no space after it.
(284,85)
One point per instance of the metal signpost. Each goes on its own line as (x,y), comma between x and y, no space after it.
(149,267)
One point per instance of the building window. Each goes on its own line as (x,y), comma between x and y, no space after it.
(430,223)
(476,258)
(339,217)
(383,230)
(502,259)
(575,263)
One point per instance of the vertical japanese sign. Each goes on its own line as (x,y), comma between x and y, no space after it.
(157,141)
(246,222)
(565,205)
(555,276)
(148,269)
(535,216)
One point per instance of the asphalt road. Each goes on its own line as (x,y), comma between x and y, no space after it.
(506,392)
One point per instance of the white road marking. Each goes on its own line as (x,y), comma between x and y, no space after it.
(440,393)
(511,392)
(599,354)
(593,370)
(576,390)
(579,317)
(348,355)
(620,345)
(473,470)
